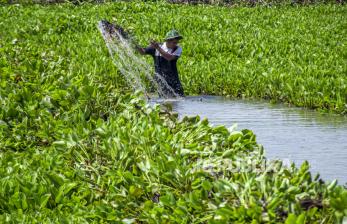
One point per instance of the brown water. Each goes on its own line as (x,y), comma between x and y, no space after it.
(287,133)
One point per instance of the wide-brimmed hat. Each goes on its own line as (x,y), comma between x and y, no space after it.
(173,34)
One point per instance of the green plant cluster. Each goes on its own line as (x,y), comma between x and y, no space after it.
(213,2)
(76,148)
(286,54)
(256,2)
(75,2)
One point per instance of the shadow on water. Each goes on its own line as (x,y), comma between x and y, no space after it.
(287,133)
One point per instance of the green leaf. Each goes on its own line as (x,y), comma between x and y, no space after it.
(301,219)
(206,185)
(291,219)
(44,199)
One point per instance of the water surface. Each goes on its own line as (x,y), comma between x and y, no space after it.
(287,133)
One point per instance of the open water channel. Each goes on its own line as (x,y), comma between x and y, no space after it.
(287,133)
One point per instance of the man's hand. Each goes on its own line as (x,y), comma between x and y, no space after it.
(155,44)
(165,54)
(139,49)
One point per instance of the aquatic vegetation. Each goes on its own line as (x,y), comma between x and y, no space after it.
(76,147)
(101,156)
(286,54)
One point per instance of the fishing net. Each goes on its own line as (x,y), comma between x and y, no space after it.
(134,68)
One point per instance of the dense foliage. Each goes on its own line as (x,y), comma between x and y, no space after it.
(288,54)
(73,150)
(213,2)
(74,147)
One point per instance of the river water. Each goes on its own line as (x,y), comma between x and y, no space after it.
(287,133)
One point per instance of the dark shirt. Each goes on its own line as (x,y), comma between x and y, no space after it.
(167,70)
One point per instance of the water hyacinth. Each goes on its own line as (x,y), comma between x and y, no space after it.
(282,53)
(143,164)
(77,147)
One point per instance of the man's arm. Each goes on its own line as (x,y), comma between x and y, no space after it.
(165,54)
(148,50)
(139,49)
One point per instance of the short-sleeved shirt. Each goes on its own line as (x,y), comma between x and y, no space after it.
(167,69)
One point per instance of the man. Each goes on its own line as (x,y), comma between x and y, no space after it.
(165,58)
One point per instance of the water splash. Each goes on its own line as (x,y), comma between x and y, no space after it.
(134,68)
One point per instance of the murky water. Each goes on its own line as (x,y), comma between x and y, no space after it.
(287,133)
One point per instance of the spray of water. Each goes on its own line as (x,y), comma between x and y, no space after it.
(133,67)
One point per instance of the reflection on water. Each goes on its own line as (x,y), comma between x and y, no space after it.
(285,132)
